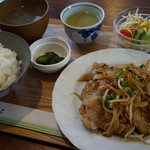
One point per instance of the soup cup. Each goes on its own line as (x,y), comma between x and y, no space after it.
(26,18)
(82,35)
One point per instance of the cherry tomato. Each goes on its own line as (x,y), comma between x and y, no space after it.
(126,33)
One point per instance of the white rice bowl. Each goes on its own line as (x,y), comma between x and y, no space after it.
(9,67)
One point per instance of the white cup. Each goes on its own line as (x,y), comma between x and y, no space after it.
(82,35)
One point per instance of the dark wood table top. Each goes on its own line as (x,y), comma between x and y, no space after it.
(112,8)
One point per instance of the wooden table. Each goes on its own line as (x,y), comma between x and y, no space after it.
(16,138)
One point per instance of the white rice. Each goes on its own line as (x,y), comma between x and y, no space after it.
(9,67)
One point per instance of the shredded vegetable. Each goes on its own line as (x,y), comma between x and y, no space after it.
(135,21)
(135,25)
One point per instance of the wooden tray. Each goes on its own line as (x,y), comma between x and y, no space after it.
(35,90)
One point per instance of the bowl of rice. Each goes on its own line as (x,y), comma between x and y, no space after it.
(14,61)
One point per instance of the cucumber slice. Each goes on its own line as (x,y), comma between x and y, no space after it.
(137,35)
(145,37)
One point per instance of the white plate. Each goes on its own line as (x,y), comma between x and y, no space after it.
(66,106)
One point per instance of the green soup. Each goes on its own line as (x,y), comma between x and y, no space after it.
(82,19)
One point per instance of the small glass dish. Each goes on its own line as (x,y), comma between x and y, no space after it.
(142,45)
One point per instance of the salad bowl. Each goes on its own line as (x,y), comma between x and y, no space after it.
(132,28)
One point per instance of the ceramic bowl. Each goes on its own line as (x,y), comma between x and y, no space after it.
(19,45)
(82,35)
(26,18)
(50,44)
(143,45)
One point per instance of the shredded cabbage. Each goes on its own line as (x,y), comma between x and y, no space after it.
(134,22)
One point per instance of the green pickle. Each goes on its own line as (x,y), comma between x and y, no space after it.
(49,58)
(42,59)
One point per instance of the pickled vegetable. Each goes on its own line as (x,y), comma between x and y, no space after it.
(49,58)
